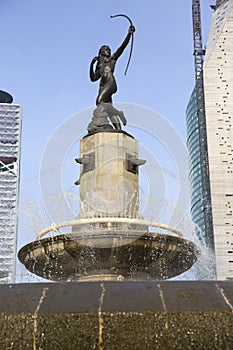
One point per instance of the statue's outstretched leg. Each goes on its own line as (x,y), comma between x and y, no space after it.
(112,111)
(115,121)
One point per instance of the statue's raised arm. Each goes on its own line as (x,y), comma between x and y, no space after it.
(120,49)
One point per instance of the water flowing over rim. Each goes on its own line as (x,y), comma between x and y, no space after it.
(55,227)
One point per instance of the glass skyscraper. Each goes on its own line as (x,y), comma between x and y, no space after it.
(195,178)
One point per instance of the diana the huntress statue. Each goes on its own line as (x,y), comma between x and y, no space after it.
(102,67)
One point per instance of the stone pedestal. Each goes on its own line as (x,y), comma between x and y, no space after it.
(109,175)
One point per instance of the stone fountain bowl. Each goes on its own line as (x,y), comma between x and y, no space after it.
(153,256)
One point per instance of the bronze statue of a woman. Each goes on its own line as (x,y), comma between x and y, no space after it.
(104,70)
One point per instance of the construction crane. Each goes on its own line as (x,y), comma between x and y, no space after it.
(199,53)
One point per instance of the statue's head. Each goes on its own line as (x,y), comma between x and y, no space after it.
(105,51)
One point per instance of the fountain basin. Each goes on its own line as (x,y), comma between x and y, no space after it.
(190,315)
(150,256)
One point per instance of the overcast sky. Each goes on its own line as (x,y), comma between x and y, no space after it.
(46,49)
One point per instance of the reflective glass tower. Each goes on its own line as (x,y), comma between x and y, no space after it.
(195,176)
(10,135)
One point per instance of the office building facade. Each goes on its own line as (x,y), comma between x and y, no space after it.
(10,136)
(218,98)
